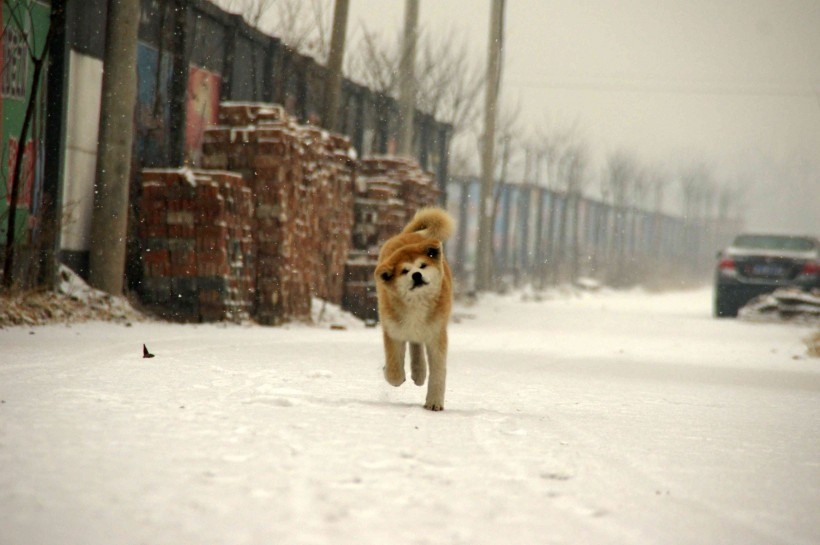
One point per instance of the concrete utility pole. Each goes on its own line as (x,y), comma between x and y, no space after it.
(119,91)
(333,86)
(407,77)
(484,274)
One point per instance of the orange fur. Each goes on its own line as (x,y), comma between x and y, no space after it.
(415,293)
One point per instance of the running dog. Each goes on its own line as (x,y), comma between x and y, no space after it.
(415,293)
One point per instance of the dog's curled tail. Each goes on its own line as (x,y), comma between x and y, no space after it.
(432,222)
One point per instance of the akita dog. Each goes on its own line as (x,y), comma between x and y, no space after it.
(415,293)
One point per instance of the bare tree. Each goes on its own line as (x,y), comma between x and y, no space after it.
(252,11)
(618,180)
(730,197)
(450,83)
(575,178)
(302,25)
(576,161)
(656,183)
(561,155)
(697,190)
(552,145)
(508,137)
(374,62)
(697,193)
(619,184)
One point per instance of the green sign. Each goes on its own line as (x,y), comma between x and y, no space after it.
(24,26)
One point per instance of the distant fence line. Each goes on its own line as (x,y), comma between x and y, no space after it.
(545,237)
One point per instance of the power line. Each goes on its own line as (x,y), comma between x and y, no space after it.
(662,88)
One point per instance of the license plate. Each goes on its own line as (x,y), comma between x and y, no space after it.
(765,269)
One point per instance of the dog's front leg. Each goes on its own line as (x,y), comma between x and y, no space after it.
(437,357)
(394,360)
(418,364)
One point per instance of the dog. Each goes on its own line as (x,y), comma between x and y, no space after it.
(415,297)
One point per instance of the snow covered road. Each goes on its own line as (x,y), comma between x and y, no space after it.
(605,418)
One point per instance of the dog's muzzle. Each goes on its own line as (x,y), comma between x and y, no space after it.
(418,280)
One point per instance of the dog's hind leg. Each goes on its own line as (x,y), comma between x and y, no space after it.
(418,364)
(394,360)
(437,356)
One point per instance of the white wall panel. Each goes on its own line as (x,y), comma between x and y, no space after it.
(84,96)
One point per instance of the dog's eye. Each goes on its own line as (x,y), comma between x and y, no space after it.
(423,265)
(432,252)
(386,276)
(404,271)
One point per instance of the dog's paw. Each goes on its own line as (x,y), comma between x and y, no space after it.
(419,376)
(394,377)
(434,406)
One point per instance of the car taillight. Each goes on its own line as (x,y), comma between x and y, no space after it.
(726,264)
(811,268)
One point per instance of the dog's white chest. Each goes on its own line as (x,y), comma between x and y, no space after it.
(414,325)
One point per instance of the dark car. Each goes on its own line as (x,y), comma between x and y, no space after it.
(757,264)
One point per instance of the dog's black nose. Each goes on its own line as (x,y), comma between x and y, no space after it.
(417,278)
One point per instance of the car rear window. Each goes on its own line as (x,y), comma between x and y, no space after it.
(775,242)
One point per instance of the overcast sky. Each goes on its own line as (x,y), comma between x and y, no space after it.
(733,84)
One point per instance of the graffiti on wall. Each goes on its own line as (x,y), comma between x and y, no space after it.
(26,172)
(202,108)
(24,26)
(153,105)
(15,65)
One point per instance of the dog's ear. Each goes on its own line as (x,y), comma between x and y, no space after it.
(385,273)
(433,252)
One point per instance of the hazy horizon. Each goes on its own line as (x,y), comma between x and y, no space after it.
(731,85)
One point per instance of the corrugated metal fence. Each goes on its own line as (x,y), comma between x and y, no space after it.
(545,237)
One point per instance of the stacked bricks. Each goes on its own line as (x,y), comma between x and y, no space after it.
(389,191)
(301,179)
(276,230)
(198,252)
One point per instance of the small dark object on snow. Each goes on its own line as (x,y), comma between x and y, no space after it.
(146,353)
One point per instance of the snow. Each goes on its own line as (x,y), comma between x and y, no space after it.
(188,175)
(594,418)
(791,304)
